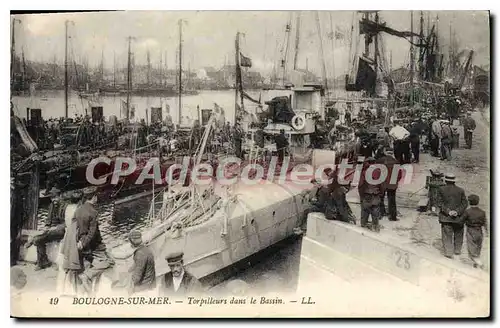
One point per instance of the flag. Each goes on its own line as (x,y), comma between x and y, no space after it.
(245,61)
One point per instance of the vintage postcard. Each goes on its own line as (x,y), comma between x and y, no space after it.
(250,164)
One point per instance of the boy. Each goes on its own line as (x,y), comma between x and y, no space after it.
(475,220)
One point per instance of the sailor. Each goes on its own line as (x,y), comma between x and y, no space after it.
(143,274)
(435,136)
(446,140)
(370,196)
(179,281)
(435,181)
(237,136)
(55,222)
(89,241)
(338,192)
(281,145)
(318,198)
(415,141)
(452,204)
(389,187)
(469,127)
(401,143)
(475,220)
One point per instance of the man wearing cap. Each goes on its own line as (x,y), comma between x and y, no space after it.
(178,281)
(281,145)
(389,187)
(143,273)
(433,183)
(446,140)
(89,241)
(55,222)
(370,196)
(475,220)
(469,127)
(342,210)
(452,204)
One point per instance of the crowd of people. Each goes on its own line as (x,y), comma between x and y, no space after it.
(402,143)
(72,219)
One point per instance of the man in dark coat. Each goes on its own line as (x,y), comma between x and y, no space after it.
(415,141)
(281,145)
(237,136)
(343,212)
(143,273)
(452,204)
(55,222)
(389,186)
(475,220)
(370,196)
(469,127)
(179,281)
(89,241)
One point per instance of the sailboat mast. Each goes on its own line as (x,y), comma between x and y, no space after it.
(412,68)
(161,69)
(12,52)
(375,54)
(114,69)
(287,43)
(180,69)
(237,65)
(129,77)
(322,54)
(333,31)
(148,77)
(297,42)
(66,23)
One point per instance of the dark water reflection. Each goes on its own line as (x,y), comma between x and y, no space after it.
(116,221)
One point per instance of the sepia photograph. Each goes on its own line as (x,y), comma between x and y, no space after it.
(243,164)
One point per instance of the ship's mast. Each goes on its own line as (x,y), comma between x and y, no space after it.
(322,54)
(101,69)
(421,49)
(66,70)
(161,64)
(288,30)
(114,69)
(148,77)
(333,32)
(13,52)
(412,61)
(180,69)
(129,76)
(375,53)
(297,42)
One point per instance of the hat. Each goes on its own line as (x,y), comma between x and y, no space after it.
(473,199)
(389,152)
(174,258)
(436,173)
(135,237)
(54,192)
(89,191)
(449,177)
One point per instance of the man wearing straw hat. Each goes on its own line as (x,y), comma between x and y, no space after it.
(452,204)
(178,281)
(143,273)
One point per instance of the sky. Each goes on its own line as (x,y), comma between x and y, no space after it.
(209,36)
